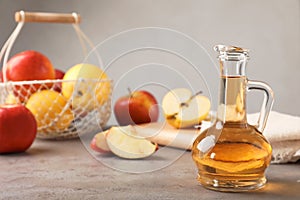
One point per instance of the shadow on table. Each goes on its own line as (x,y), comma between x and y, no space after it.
(29,152)
(281,189)
(44,147)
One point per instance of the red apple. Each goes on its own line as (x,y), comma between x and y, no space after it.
(59,74)
(137,108)
(26,66)
(1,76)
(18,128)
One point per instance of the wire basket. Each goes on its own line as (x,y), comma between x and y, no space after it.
(58,117)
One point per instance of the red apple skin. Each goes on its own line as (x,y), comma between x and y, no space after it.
(138,108)
(94,146)
(1,76)
(29,65)
(18,128)
(26,66)
(59,74)
(156,147)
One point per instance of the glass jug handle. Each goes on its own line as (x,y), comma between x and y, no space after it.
(267,102)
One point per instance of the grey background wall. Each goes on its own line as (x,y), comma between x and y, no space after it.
(270,28)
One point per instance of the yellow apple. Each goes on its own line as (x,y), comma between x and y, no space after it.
(87,85)
(125,143)
(182,109)
(50,110)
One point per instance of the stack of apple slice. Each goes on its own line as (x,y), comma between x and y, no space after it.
(182,109)
(124,142)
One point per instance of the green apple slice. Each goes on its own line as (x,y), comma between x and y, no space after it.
(124,142)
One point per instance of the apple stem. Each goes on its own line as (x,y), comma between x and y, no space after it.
(188,101)
(196,94)
(130,92)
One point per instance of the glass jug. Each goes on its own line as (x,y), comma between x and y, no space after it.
(233,155)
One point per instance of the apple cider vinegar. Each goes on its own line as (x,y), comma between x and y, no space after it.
(238,159)
(241,152)
(233,155)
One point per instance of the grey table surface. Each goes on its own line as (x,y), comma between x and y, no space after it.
(66,170)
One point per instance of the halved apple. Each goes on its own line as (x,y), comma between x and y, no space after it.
(99,143)
(125,143)
(182,109)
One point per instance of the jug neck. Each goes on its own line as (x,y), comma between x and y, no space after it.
(232,99)
(233,60)
(232,95)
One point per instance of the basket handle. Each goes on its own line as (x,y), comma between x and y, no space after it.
(21,17)
(72,18)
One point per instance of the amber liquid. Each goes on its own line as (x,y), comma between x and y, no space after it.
(238,158)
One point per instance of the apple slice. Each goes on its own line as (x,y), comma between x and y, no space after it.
(125,143)
(182,109)
(171,103)
(99,143)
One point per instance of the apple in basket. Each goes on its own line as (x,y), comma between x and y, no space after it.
(59,75)
(136,108)
(18,128)
(51,111)
(27,66)
(87,86)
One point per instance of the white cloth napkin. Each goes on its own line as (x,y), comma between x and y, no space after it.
(283,132)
